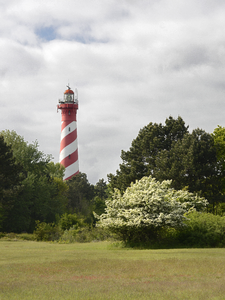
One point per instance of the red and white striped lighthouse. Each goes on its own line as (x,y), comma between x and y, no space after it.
(68,146)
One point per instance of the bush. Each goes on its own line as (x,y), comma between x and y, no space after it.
(203,230)
(2,234)
(85,235)
(70,220)
(47,231)
(9,236)
(147,209)
(17,236)
(26,236)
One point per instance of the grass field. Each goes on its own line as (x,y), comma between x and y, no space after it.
(39,270)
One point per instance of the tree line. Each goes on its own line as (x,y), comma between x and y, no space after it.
(192,160)
(32,186)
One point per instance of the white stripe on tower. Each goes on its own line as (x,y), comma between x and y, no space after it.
(69,149)
(65,129)
(70,170)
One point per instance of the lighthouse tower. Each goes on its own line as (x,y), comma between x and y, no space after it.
(68,146)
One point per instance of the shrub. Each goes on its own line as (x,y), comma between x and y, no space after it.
(2,234)
(46,231)
(26,236)
(9,236)
(85,235)
(70,220)
(203,230)
(146,209)
(17,236)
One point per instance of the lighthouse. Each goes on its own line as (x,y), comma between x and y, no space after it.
(69,146)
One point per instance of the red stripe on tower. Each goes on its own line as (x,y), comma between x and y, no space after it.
(68,146)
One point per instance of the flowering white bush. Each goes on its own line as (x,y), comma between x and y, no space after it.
(146,207)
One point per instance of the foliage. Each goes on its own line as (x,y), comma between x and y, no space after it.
(218,136)
(69,229)
(80,193)
(203,230)
(192,163)
(28,155)
(26,236)
(46,231)
(15,236)
(146,208)
(11,175)
(101,189)
(86,235)
(140,159)
(219,140)
(40,199)
(101,192)
(98,205)
(2,234)
(70,220)
(55,170)
(42,192)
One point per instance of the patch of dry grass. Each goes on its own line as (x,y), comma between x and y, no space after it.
(32,270)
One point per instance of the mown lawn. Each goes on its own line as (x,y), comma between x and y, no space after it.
(39,270)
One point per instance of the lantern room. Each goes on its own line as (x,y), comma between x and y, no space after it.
(69,96)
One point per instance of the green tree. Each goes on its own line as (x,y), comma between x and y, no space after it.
(11,175)
(140,159)
(101,192)
(42,196)
(218,136)
(192,163)
(27,155)
(80,194)
(70,220)
(101,189)
(55,170)
(146,209)
(219,140)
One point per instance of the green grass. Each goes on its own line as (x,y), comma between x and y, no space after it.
(39,270)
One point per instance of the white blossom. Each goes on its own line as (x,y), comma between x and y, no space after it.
(148,203)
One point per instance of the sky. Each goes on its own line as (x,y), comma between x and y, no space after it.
(133,62)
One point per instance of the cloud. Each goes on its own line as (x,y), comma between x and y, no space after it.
(132,62)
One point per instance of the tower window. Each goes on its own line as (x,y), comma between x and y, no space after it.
(69,112)
(69,128)
(69,155)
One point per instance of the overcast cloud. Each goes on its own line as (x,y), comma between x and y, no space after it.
(133,62)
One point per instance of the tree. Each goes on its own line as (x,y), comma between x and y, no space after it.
(80,193)
(70,220)
(27,155)
(11,175)
(218,136)
(140,159)
(101,194)
(191,163)
(100,189)
(42,195)
(219,141)
(146,208)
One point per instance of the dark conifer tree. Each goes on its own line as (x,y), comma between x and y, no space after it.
(11,175)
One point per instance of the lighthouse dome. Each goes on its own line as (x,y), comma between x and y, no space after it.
(69,91)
